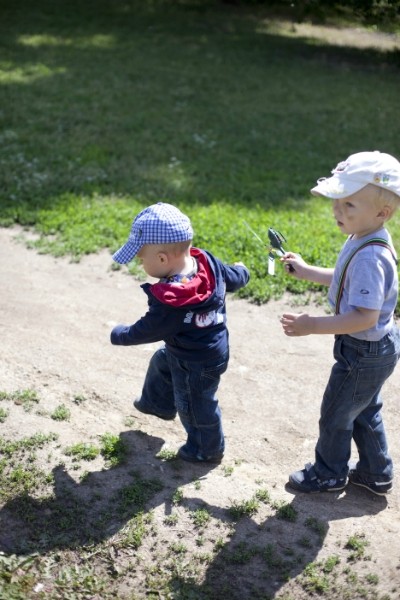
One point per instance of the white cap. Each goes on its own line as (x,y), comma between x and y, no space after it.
(359,170)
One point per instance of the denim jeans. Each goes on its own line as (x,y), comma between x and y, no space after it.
(351,408)
(189,388)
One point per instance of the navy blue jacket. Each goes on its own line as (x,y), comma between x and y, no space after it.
(190,317)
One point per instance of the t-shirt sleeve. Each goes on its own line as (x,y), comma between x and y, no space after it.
(366,284)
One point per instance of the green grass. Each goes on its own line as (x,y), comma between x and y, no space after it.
(61,413)
(167,454)
(3,414)
(107,107)
(113,449)
(357,544)
(285,511)
(200,517)
(26,398)
(19,473)
(244,508)
(82,451)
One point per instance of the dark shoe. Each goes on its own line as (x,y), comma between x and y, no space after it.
(198,458)
(143,409)
(380,488)
(307,481)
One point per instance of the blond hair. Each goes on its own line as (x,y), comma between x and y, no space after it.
(384,197)
(175,248)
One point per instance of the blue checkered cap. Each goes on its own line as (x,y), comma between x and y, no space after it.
(159,223)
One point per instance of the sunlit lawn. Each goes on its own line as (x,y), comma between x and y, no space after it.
(106,107)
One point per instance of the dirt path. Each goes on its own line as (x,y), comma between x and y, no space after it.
(55,322)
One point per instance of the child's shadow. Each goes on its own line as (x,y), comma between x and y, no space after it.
(97,507)
(261,557)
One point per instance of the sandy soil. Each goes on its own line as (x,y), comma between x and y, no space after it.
(56,317)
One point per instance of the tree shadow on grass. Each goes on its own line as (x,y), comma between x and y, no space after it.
(87,512)
(261,557)
(136,99)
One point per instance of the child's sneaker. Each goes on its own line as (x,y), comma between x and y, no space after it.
(198,458)
(307,481)
(138,404)
(380,488)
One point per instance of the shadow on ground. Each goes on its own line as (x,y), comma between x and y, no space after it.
(80,513)
(259,558)
(262,557)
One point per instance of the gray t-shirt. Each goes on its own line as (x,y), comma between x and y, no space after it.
(371,282)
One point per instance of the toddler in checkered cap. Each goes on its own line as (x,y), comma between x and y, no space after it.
(187,311)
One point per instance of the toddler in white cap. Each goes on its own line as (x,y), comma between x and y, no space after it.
(363,290)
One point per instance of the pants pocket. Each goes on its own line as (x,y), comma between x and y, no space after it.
(370,380)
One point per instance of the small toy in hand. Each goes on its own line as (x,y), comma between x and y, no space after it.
(275,247)
(276,239)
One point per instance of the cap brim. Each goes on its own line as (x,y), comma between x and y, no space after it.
(126,253)
(336,187)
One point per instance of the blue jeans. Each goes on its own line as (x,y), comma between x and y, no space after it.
(351,408)
(189,388)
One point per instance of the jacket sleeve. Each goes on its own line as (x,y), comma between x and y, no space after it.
(154,326)
(236,277)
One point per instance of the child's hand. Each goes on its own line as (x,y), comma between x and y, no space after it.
(297,325)
(295,265)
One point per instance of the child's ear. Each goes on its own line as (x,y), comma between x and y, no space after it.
(163,258)
(385,212)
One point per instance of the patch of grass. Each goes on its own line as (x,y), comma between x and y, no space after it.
(79,399)
(80,577)
(372,578)
(200,517)
(166,454)
(16,577)
(314,581)
(19,474)
(245,508)
(178,548)
(82,451)
(177,496)
(171,519)
(113,449)
(285,511)
(129,421)
(135,495)
(25,398)
(237,510)
(220,543)
(38,440)
(305,542)
(227,470)
(263,495)
(22,480)
(133,533)
(330,563)
(3,414)
(272,557)
(357,544)
(242,553)
(317,526)
(61,413)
